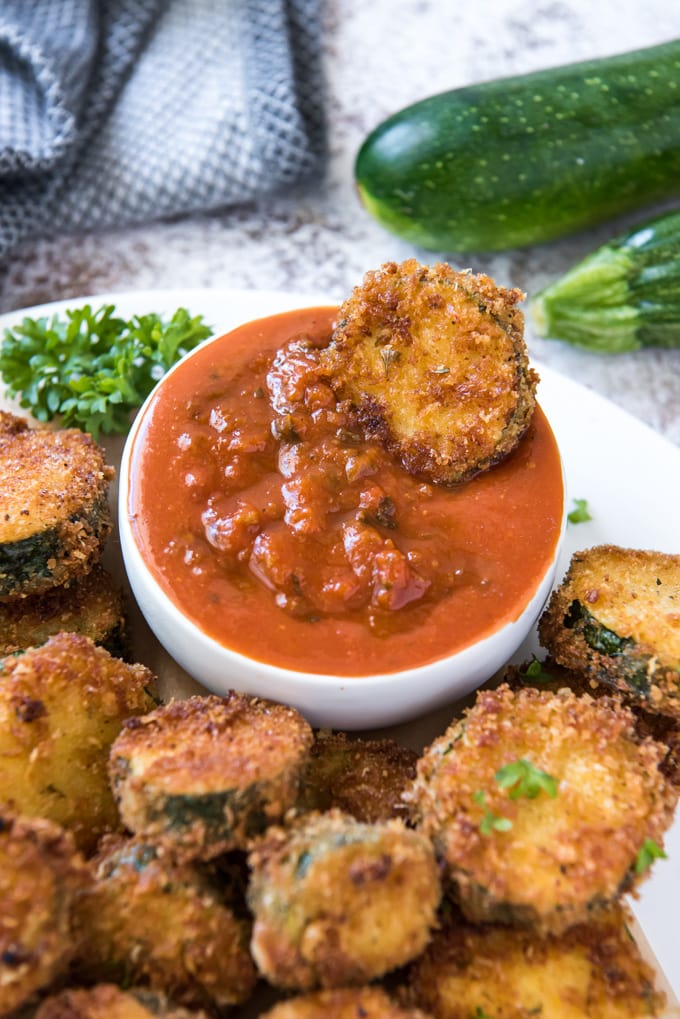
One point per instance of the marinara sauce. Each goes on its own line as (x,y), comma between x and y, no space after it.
(282,533)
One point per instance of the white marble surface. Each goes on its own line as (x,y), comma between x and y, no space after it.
(378,57)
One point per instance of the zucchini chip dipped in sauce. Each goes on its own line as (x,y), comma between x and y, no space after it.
(61,706)
(90,605)
(40,875)
(208,773)
(339,902)
(616,618)
(106,1001)
(361,777)
(542,806)
(148,921)
(435,364)
(593,970)
(55,514)
(344,1003)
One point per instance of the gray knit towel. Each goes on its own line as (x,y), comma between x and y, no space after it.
(120,111)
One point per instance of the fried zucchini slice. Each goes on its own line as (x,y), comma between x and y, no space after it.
(362,777)
(435,364)
(339,902)
(549,675)
(616,617)
(91,606)
(149,921)
(61,706)
(40,875)
(540,805)
(106,1001)
(208,773)
(55,513)
(344,1003)
(592,971)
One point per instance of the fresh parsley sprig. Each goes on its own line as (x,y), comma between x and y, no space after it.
(92,367)
(649,852)
(490,822)
(522,778)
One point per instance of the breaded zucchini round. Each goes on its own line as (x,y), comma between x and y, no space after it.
(344,1003)
(592,970)
(148,921)
(548,675)
(616,617)
(55,514)
(106,1001)
(40,875)
(362,777)
(61,706)
(208,773)
(434,363)
(339,902)
(542,806)
(91,606)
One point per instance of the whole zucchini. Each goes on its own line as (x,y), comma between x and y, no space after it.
(623,296)
(526,159)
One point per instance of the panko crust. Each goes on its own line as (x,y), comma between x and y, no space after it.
(343,1003)
(106,1001)
(435,365)
(337,902)
(61,706)
(593,970)
(152,922)
(362,777)
(90,605)
(207,773)
(553,861)
(41,873)
(55,485)
(663,729)
(634,594)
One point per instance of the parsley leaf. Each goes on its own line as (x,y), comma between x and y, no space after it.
(649,852)
(92,367)
(522,778)
(535,671)
(490,822)
(580,513)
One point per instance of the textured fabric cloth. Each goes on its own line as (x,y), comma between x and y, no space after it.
(119,111)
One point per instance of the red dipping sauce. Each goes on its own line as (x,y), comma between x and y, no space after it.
(281,533)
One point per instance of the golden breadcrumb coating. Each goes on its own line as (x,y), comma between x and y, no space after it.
(61,706)
(40,876)
(434,363)
(208,773)
(616,617)
(539,804)
(340,902)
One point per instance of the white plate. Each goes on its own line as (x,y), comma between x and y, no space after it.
(628,473)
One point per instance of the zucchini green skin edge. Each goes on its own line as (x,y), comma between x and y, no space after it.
(623,296)
(527,159)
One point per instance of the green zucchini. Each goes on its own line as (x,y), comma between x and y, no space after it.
(622,296)
(527,159)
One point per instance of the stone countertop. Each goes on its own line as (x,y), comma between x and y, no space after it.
(379,57)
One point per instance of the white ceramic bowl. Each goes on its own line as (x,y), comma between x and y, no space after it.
(345,702)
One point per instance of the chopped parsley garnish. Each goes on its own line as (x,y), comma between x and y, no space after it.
(490,822)
(91,367)
(535,671)
(580,513)
(649,852)
(522,778)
